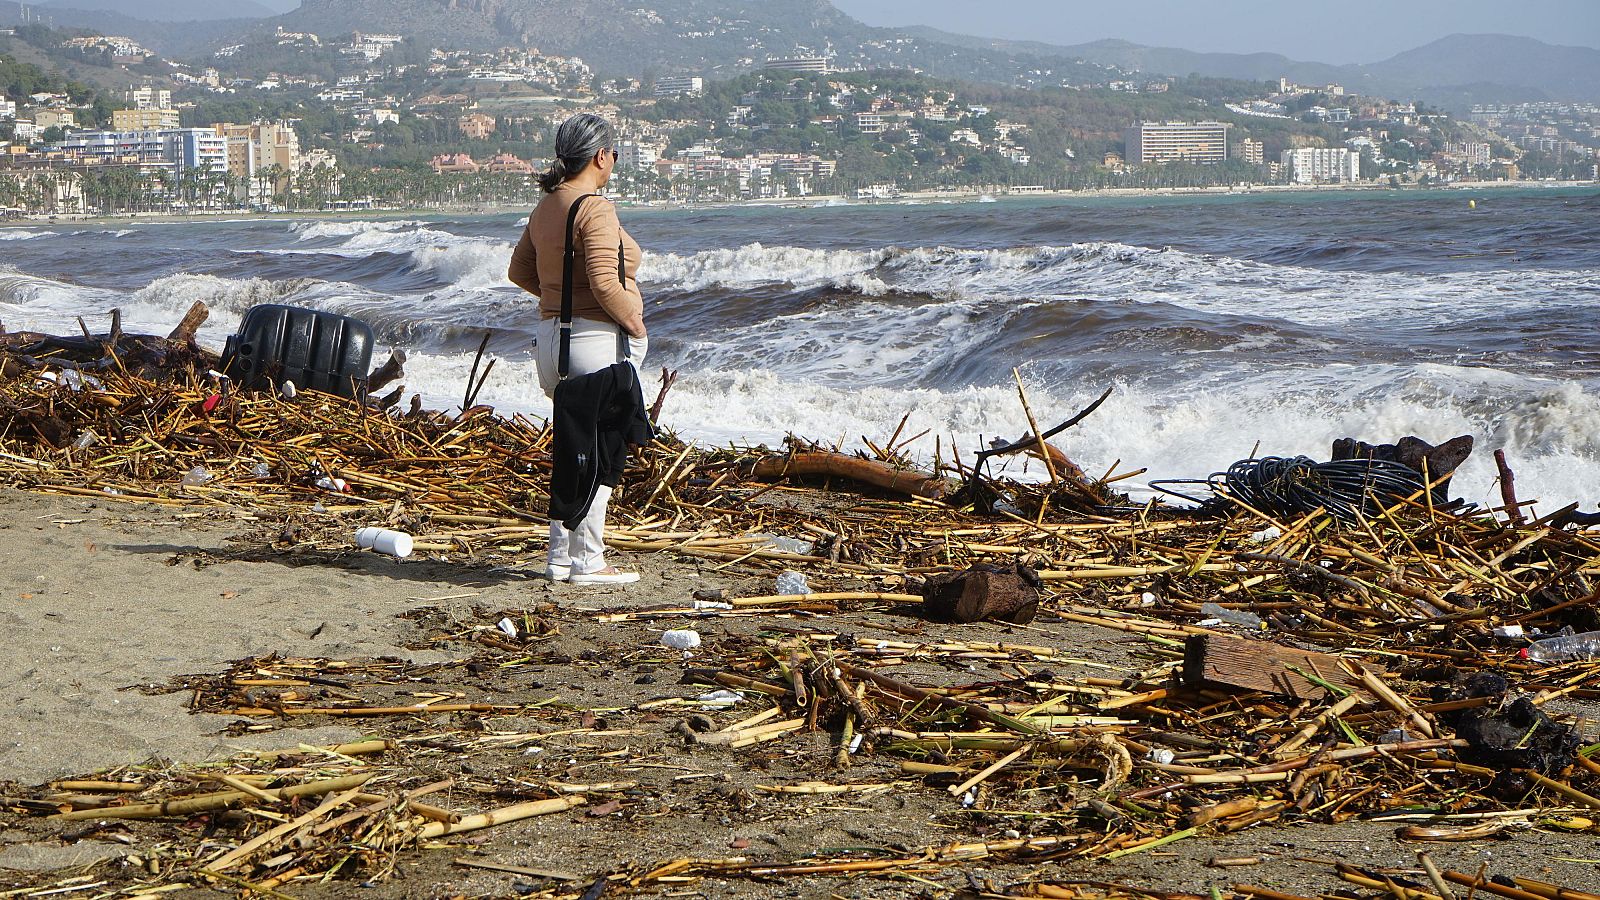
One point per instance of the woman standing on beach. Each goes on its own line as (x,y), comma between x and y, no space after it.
(606,308)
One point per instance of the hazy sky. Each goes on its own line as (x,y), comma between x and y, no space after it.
(1346,31)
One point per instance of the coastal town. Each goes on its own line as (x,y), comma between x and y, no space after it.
(305,121)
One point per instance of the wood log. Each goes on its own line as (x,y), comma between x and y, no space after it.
(392,370)
(984,592)
(1410,451)
(854,468)
(1221,660)
(190,323)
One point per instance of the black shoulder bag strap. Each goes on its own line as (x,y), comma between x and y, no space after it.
(568,261)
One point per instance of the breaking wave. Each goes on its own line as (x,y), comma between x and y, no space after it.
(837,325)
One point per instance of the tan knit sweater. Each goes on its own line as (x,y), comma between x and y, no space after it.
(596,291)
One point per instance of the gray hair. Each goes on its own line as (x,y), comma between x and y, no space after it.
(577,141)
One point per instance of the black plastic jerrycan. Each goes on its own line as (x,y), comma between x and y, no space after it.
(316,350)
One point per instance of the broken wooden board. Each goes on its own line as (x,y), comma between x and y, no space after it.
(1226,661)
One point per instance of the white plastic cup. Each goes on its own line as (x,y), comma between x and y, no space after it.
(381,540)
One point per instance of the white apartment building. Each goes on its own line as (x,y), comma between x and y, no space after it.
(1474,152)
(1160,142)
(673,85)
(178,149)
(810,65)
(637,155)
(1321,165)
(8,110)
(147,97)
(870,123)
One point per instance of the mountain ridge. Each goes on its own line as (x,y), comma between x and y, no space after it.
(1485,63)
(714,37)
(165,10)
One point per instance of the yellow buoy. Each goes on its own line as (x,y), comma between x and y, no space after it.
(1472,204)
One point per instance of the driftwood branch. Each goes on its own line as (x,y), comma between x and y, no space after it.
(473,383)
(392,370)
(1037,443)
(668,378)
(841,465)
(190,323)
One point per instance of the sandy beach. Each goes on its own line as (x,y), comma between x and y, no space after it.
(955,195)
(105,600)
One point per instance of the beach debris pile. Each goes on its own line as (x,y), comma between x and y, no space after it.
(1314,667)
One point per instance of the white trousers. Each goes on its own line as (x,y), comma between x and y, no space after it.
(595,345)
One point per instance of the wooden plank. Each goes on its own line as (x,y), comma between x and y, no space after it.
(1216,659)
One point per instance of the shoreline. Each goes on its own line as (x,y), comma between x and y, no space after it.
(962,195)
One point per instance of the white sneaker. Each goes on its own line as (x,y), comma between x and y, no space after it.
(608,575)
(557,573)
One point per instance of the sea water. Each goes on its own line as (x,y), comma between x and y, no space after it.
(1224,325)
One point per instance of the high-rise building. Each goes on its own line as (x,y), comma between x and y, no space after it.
(637,155)
(1160,142)
(1319,165)
(252,150)
(1250,151)
(174,149)
(148,97)
(811,65)
(673,85)
(1475,152)
(196,148)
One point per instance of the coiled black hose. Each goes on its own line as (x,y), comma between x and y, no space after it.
(1348,489)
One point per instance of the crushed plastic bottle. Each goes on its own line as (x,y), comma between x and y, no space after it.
(1567,648)
(723,699)
(197,476)
(792,584)
(77,381)
(681,639)
(261,470)
(1231,616)
(86,440)
(787,544)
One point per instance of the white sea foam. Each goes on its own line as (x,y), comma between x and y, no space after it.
(1124,273)
(316,231)
(1550,428)
(468,265)
(12,234)
(754,264)
(167,298)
